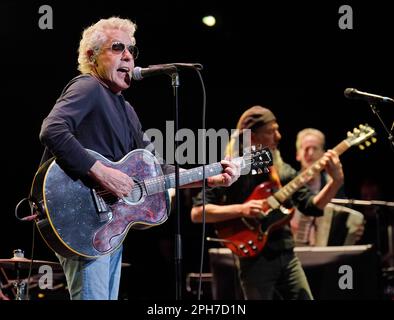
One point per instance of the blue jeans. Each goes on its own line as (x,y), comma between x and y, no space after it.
(93,279)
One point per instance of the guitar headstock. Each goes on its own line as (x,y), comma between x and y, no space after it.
(361,134)
(259,158)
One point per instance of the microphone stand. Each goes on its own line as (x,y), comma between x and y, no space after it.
(389,133)
(172,71)
(19,284)
(178,239)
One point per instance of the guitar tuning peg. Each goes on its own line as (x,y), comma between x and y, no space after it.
(373,139)
(361,126)
(356,130)
(349,134)
(361,147)
(367,143)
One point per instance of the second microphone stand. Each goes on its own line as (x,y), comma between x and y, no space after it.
(389,133)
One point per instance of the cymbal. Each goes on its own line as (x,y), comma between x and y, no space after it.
(23,263)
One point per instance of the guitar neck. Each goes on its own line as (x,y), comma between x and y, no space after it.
(162,183)
(287,191)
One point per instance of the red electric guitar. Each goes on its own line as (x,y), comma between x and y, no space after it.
(246,237)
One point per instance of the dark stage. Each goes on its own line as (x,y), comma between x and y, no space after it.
(292,58)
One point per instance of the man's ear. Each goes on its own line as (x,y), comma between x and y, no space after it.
(91,55)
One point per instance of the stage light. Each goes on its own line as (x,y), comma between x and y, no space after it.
(209,21)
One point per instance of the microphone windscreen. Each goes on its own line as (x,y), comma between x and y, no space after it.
(349,92)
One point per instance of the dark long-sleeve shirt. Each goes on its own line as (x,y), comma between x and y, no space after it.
(88,115)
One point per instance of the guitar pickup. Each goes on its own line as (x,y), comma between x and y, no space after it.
(247,224)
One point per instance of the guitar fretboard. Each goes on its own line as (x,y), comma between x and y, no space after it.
(162,183)
(287,191)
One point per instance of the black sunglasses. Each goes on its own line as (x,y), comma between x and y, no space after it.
(119,47)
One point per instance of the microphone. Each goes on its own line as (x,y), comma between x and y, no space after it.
(170,69)
(352,93)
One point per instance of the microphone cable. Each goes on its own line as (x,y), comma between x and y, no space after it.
(203,184)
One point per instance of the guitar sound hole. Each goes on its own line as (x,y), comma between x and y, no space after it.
(136,194)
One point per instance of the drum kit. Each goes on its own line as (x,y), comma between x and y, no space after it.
(18,264)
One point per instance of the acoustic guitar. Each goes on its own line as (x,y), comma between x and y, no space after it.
(77,218)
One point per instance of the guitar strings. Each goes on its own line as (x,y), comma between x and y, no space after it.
(160,179)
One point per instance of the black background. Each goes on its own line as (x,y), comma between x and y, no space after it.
(292,58)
